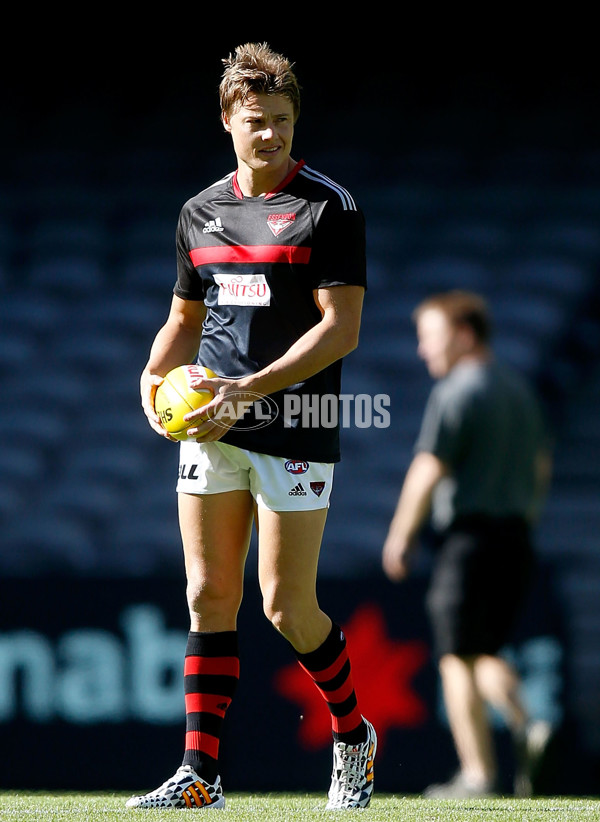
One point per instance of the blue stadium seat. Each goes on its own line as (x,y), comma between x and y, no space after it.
(21,463)
(13,503)
(142,545)
(497,200)
(148,276)
(30,312)
(152,235)
(472,237)
(67,275)
(46,164)
(399,200)
(88,349)
(118,313)
(55,386)
(578,202)
(546,274)
(42,543)
(74,198)
(446,271)
(18,351)
(567,237)
(520,351)
(539,316)
(112,422)
(121,462)
(440,165)
(60,236)
(38,426)
(91,499)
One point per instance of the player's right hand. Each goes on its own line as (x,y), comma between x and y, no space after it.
(148,385)
(396,559)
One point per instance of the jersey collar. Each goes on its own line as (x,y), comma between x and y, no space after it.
(285,182)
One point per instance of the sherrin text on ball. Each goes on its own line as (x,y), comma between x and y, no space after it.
(175,398)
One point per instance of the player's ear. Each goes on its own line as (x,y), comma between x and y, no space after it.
(467,336)
(225,121)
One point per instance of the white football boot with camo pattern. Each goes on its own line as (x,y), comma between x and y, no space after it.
(352,777)
(183,790)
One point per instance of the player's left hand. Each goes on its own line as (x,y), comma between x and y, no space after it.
(230,403)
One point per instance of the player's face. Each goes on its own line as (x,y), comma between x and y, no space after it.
(441,345)
(262,130)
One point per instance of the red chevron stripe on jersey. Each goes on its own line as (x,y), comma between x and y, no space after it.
(250,254)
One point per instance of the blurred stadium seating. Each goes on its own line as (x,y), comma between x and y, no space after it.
(87,279)
(87,265)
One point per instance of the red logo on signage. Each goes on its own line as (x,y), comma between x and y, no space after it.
(383,671)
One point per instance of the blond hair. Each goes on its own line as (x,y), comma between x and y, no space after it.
(255,68)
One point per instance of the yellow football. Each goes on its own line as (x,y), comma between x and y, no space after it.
(174,398)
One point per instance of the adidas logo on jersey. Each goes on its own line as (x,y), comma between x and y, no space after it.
(213,225)
(297,491)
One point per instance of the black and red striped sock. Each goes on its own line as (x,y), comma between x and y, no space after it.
(210,677)
(329,668)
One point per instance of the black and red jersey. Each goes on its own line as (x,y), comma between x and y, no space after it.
(255,262)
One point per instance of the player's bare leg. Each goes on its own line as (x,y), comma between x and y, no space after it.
(215,531)
(289,545)
(288,555)
(500,685)
(470,729)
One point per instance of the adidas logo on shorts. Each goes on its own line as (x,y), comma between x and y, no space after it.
(297,491)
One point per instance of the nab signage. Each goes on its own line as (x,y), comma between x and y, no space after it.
(91,675)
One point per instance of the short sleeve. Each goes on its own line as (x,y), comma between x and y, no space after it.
(443,426)
(189,283)
(339,247)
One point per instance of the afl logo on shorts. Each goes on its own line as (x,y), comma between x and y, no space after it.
(296,466)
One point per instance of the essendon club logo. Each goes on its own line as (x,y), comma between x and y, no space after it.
(279,222)
(317,488)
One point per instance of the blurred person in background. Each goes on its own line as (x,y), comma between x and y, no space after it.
(479,475)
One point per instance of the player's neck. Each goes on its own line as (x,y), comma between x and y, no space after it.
(478,355)
(257,183)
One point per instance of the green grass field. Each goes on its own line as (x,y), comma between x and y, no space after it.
(96,807)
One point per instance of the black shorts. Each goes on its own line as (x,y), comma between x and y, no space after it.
(481,574)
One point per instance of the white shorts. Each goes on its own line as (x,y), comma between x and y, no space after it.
(274,482)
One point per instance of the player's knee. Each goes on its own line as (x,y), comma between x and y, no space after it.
(274,611)
(206,597)
(281,616)
(456,664)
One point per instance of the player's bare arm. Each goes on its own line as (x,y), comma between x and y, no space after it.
(334,336)
(424,472)
(329,340)
(176,343)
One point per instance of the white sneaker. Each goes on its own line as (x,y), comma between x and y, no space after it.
(352,777)
(183,790)
(531,746)
(459,787)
